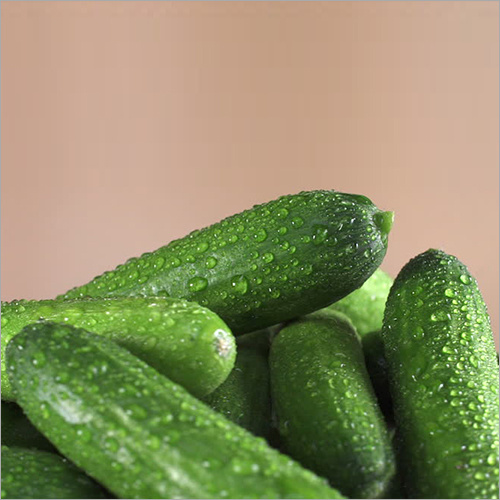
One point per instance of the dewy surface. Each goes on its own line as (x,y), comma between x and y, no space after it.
(444,376)
(281,259)
(135,431)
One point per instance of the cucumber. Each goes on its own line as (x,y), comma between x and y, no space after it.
(135,431)
(276,261)
(365,306)
(245,398)
(40,474)
(326,409)
(444,379)
(376,365)
(182,340)
(18,431)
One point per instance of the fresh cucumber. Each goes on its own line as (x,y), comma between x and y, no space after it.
(18,431)
(327,412)
(444,379)
(40,474)
(244,398)
(135,431)
(376,365)
(182,340)
(276,261)
(365,306)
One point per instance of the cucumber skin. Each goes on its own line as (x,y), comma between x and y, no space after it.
(327,412)
(365,306)
(18,431)
(182,340)
(40,474)
(245,396)
(135,431)
(376,365)
(276,261)
(444,379)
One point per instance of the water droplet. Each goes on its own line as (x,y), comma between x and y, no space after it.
(465,279)
(449,292)
(492,459)
(349,394)
(419,332)
(159,263)
(202,247)
(5,321)
(282,230)
(307,269)
(320,234)
(211,262)
(473,361)
(197,284)
(39,359)
(282,213)
(151,342)
(240,284)
(260,235)
(447,350)
(297,222)
(268,257)
(440,316)
(480,476)
(175,262)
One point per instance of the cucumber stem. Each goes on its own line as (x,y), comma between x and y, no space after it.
(384,221)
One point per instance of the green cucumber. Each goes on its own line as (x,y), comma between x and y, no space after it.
(326,409)
(135,431)
(276,261)
(444,379)
(365,306)
(376,364)
(182,340)
(17,430)
(244,398)
(40,474)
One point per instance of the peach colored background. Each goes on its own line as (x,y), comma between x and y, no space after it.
(125,125)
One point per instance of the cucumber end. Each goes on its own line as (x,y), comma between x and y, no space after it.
(384,221)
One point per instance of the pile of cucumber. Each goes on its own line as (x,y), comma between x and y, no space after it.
(266,356)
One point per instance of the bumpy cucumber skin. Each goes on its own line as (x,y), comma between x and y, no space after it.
(245,397)
(276,261)
(184,341)
(135,431)
(327,411)
(18,431)
(365,306)
(40,474)
(444,379)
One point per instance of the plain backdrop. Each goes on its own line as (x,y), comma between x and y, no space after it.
(127,124)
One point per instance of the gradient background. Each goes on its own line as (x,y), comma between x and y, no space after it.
(126,125)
